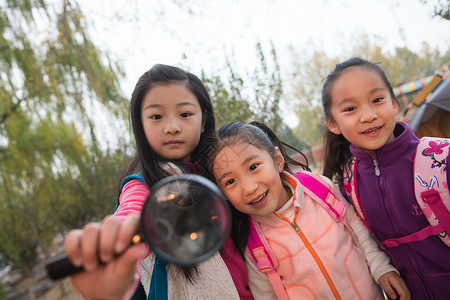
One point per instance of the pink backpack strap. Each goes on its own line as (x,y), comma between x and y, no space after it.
(416,236)
(351,187)
(264,258)
(323,193)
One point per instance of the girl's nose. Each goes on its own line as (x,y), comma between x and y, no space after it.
(249,187)
(172,127)
(368,115)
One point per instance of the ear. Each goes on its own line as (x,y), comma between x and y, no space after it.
(395,107)
(279,159)
(203,125)
(332,126)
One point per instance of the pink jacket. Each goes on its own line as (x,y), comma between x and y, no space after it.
(323,260)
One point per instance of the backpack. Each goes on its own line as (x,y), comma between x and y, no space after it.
(430,188)
(259,248)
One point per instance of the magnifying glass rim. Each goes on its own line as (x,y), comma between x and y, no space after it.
(214,190)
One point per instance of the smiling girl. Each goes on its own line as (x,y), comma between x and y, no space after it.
(318,257)
(360,111)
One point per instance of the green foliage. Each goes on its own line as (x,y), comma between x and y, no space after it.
(54,175)
(267,88)
(228,102)
(287,135)
(261,103)
(304,94)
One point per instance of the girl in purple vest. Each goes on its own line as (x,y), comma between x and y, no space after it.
(360,112)
(318,255)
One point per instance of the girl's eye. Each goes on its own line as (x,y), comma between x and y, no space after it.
(185,115)
(253,167)
(348,109)
(231,181)
(155,117)
(379,99)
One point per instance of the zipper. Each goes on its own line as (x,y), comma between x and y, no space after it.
(389,210)
(313,254)
(385,199)
(377,169)
(318,260)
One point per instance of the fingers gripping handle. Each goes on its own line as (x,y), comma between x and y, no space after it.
(60,266)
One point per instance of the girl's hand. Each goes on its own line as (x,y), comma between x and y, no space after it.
(394,286)
(116,275)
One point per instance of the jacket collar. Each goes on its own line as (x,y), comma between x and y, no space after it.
(192,167)
(294,185)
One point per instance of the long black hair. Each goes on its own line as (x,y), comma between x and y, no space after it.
(259,135)
(337,155)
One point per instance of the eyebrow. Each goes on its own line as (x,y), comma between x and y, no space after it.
(178,105)
(223,176)
(377,89)
(344,101)
(248,159)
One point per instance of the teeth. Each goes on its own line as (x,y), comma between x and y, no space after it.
(371,130)
(259,199)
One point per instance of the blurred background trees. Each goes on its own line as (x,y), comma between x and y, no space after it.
(55,172)
(64,130)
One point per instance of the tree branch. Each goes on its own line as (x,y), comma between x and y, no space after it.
(6,114)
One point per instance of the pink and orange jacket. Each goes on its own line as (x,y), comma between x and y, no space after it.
(322,260)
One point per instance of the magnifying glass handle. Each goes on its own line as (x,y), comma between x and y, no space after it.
(60,266)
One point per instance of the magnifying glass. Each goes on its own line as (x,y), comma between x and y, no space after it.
(185,220)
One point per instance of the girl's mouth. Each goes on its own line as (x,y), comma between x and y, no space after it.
(372,130)
(260,198)
(172,143)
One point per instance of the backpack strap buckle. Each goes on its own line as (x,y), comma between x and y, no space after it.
(431,196)
(265,266)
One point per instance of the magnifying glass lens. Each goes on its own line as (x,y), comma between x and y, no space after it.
(186,219)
